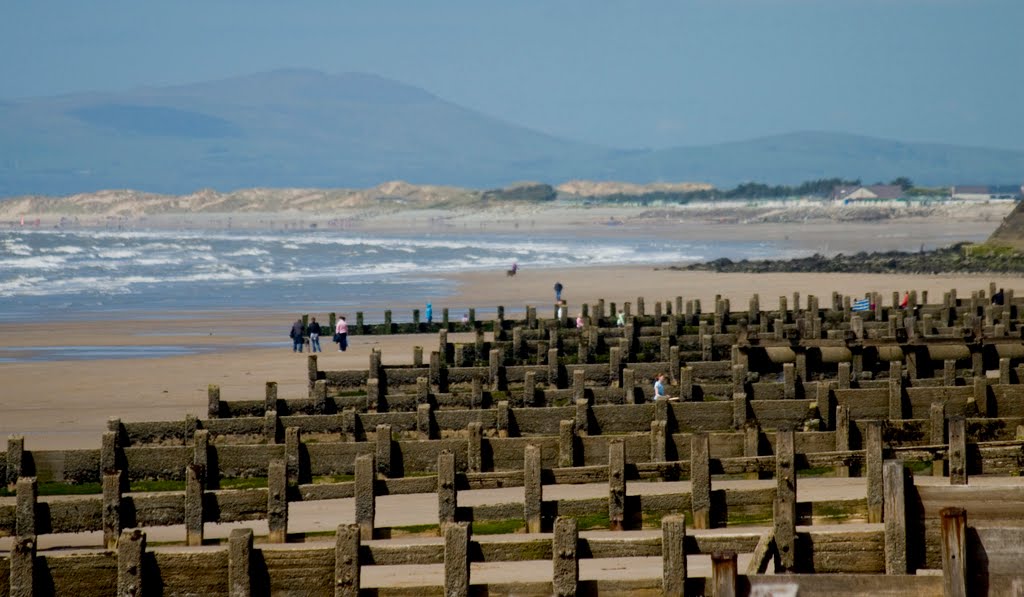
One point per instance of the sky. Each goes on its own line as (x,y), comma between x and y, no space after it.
(645,74)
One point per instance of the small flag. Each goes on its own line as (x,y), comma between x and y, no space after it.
(862,305)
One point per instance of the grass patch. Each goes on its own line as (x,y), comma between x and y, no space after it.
(244,483)
(499,527)
(333,479)
(149,485)
(415,529)
(593,521)
(918,466)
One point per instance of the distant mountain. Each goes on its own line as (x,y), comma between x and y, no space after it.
(301,128)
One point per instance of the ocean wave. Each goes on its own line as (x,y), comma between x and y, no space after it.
(44,262)
(250,252)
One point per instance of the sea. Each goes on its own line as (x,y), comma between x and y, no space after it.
(77,274)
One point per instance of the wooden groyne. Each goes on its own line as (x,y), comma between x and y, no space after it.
(918,413)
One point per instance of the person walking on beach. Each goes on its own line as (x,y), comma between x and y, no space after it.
(579,321)
(297,335)
(430,313)
(558,291)
(314,335)
(905,300)
(341,334)
(620,319)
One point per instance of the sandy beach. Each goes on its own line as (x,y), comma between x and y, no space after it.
(65,403)
(165,365)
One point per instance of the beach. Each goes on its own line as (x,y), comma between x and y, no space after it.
(62,404)
(64,373)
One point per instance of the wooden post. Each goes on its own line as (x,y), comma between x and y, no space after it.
(27,494)
(673,555)
(723,574)
(447,497)
(365,478)
(346,561)
(566,567)
(383,451)
(239,557)
(954,552)
(842,436)
(22,567)
(658,441)
(957,451)
(895,518)
(785,501)
(533,490)
(616,485)
(700,481)
(566,443)
(130,549)
(937,435)
(873,456)
(277,502)
(194,475)
(474,447)
(111,508)
(456,559)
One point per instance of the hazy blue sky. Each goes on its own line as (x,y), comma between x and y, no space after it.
(637,74)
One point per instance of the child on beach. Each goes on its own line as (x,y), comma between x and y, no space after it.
(659,389)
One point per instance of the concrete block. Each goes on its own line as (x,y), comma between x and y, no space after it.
(383,452)
(673,554)
(533,490)
(616,485)
(474,450)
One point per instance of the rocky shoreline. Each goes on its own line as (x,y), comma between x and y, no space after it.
(958,258)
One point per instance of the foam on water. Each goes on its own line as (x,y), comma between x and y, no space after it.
(101,271)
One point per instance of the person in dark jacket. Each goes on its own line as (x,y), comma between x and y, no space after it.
(314,335)
(297,335)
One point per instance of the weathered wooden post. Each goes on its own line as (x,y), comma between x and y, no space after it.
(957,451)
(873,456)
(566,443)
(937,434)
(239,563)
(566,567)
(194,476)
(533,490)
(785,501)
(700,481)
(277,502)
(673,555)
(346,561)
(366,506)
(616,485)
(131,548)
(723,574)
(895,518)
(954,552)
(447,496)
(456,559)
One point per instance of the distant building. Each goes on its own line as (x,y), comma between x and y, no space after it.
(871,192)
(985,193)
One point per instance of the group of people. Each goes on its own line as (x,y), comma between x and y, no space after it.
(301,334)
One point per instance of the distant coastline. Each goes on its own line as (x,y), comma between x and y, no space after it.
(961,258)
